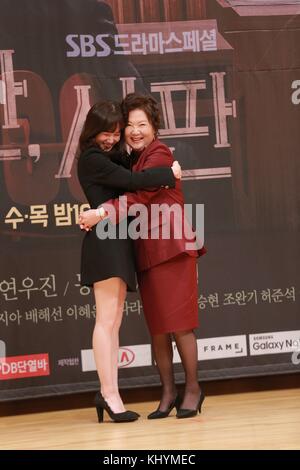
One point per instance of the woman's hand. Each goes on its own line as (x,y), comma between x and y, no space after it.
(89,218)
(176,168)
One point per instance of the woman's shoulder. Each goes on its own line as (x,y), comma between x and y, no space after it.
(91,151)
(91,155)
(159,145)
(93,158)
(114,154)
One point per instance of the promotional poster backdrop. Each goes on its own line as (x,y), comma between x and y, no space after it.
(226,74)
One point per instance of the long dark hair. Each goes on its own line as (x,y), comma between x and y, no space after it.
(104,116)
(146,103)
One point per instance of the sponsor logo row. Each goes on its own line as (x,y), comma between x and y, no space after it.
(210,348)
(223,347)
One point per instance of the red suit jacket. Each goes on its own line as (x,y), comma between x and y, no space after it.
(155,249)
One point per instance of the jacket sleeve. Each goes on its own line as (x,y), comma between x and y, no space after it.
(118,209)
(108,173)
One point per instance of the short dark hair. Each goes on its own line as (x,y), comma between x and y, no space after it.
(146,103)
(104,116)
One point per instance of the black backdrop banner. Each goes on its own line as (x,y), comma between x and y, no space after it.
(227,77)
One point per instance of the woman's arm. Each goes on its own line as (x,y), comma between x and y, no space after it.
(87,219)
(101,170)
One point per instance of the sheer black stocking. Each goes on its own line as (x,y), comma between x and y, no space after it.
(163,353)
(187,348)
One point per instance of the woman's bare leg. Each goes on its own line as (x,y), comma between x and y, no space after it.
(110,296)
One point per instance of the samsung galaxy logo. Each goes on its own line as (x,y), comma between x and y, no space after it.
(274,343)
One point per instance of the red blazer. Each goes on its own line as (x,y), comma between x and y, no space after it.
(153,251)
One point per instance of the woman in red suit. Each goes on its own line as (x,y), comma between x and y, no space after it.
(166,268)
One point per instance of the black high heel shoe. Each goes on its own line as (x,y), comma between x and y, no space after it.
(157,414)
(186,413)
(102,405)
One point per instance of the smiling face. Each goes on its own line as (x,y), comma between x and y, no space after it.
(106,140)
(139,132)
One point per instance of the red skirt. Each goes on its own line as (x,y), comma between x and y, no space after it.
(169,293)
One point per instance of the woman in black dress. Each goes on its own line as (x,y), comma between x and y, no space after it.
(108,264)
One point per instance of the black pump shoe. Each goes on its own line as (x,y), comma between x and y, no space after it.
(123,417)
(186,413)
(157,414)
